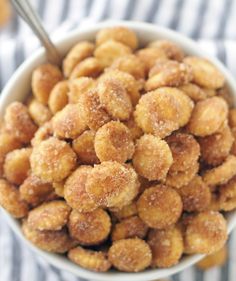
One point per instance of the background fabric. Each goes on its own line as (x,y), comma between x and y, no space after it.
(211,22)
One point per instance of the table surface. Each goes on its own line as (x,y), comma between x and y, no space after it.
(211,22)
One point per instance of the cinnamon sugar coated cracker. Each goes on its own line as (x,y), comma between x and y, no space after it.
(115,99)
(154,211)
(177,179)
(152,157)
(90,67)
(35,191)
(68,123)
(52,160)
(167,246)
(130,255)
(92,260)
(216,147)
(39,112)
(185,151)
(75,193)
(91,228)
(19,123)
(124,157)
(17,165)
(168,73)
(51,241)
(49,216)
(163,111)
(129,228)
(206,233)
(112,184)
(58,97)
(113,141)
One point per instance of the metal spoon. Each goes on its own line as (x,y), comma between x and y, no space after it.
(27,13)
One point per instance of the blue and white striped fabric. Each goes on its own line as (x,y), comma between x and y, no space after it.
(210,22)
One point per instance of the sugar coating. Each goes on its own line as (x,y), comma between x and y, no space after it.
(89,228)
(111,184)
(119,34)
(52,160)
(17,165)
(35,191)
(206,233)
(19,123)
(171,50)
(91,110)
(168,73)
(44,78)
(196,195)
(193,91)
(127,80)
(154,210)
(129,228)
(208,116)
(205,74)
(92,260)
(185,151)
(58,97)
(39,112)
(130,255)
(113,142)
(152,157)
(78,87)
(50,241)
(11,201)
(129,151)
(163,111)
(222,173)
(115,99)
(167,246)
(89,67)
(49,216)
(177,179)
(150,55)
(130,64)
(75,193)
(216,147)
(110,50)
(76,54)
(68,123)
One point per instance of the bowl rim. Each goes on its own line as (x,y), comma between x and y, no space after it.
(38,57)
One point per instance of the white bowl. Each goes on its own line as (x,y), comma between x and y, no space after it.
(18,88)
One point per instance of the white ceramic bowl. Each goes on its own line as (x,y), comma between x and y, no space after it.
(18,88)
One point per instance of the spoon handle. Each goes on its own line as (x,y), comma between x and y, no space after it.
(27,13)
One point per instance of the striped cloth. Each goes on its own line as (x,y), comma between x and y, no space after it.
(210,22)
